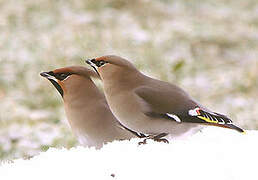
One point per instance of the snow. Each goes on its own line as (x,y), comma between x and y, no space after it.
(214,153)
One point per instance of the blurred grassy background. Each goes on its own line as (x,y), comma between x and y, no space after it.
(208,47)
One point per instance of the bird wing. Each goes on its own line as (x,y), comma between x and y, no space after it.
(174,104)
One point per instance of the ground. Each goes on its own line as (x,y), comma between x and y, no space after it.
(213,154)
(208,47)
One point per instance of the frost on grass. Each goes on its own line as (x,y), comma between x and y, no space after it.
(211,154)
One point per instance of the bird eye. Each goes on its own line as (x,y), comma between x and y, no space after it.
(100,63)
(62,76)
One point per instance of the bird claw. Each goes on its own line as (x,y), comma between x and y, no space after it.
(142,142)
(157,138)
(162,140)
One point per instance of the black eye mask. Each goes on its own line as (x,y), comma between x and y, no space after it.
(53,77)
(61,76)
(57,86)
(98,63)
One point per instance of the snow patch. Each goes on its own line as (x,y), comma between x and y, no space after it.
(213,154)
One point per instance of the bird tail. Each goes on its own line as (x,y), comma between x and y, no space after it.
(213,119)
(229,126)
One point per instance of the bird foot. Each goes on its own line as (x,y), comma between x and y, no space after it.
(157,138)
(162,140)
(142,142)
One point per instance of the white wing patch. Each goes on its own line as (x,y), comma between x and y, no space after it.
(175,117)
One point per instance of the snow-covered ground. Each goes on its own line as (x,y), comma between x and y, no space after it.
(207,47)
(214,153)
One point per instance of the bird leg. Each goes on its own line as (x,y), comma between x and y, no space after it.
(143,142)
(139,135)
(157,138)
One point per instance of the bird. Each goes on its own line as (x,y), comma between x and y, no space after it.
(86,108)
(151,106)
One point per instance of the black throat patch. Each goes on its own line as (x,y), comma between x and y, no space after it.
(57,86)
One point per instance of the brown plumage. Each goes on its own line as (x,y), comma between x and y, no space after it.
(151,106)
(86,108)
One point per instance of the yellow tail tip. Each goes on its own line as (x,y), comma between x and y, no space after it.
(244,132)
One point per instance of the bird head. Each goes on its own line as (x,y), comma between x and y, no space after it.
(111,65)
(69,78)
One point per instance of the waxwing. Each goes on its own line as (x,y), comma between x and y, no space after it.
(86,108)
(151,106)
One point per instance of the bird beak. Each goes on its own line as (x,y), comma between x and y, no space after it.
(92,64)
(50,76)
